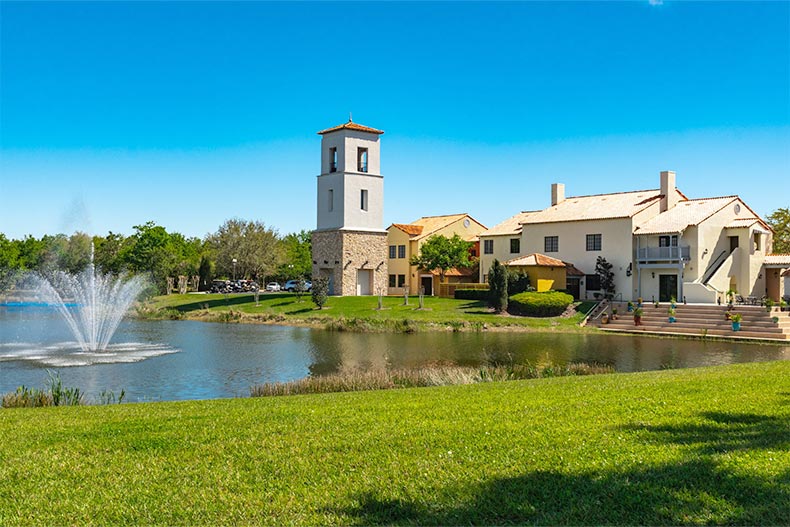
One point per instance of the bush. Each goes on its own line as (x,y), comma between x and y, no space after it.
(548,304)
(472,294)
(517,282)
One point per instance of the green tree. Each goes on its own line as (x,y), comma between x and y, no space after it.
(206,273)
(109,252)
(779,220)
(9,263)
(517,282)
(497,283)
(320,291)
(255,247)
(606,276)
(440,253)
(297,256)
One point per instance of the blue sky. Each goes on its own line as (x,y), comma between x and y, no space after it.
(113,114)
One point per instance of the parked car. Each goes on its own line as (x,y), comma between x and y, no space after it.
(273,286)
(291,285)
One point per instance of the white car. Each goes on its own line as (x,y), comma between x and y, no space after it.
(273,286)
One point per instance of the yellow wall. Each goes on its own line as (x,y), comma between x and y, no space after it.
(543,278)
(396,237)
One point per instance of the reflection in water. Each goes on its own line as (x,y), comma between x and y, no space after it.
(224,360)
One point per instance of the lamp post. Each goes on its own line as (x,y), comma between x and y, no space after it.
(234,269)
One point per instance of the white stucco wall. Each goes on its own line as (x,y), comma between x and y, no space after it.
(347,142)
(501,252)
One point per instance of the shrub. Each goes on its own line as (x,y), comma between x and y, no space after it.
(320,291)
(472,294)
(548,304)
(517,282)
(497,280)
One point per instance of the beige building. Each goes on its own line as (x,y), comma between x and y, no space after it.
(349,243)
(660,243)
(405,240)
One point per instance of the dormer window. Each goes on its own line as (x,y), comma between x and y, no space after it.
(333,159)
(362,159)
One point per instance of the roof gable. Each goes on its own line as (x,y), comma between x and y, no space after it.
(535,259)
(684,215)
(351,126)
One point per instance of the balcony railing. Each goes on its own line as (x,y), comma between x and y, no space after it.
(663,254)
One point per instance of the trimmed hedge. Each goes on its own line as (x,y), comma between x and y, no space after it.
(473,294)
(548,304)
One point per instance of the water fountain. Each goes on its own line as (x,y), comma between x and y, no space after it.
(101,302)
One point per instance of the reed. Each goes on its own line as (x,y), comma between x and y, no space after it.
(357,380)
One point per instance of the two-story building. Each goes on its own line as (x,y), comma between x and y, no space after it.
(405,240)
(661,244)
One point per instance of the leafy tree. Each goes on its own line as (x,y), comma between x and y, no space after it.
(497,283)
(779,220)
(320,291)
(606,276)
(256,248)
(9,263)
(297,255)
(109,251)
(440,253)
(205,272)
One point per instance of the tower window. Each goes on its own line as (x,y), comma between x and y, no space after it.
(333,159)
(331,200)
(362,160)
(363,199)
(757,241)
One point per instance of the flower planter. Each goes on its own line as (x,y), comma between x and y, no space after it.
(672,320)
(736,326)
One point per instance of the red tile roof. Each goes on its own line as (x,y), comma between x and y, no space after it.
(411,230)
(535,259)
(351,126)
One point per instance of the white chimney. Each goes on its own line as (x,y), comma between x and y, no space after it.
(557,193)
(669,196)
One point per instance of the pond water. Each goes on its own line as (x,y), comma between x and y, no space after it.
(173,360)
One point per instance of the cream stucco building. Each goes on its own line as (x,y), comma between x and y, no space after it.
(349,244)
(660,243)
(405,240)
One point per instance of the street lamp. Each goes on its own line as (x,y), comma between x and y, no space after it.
(234,269)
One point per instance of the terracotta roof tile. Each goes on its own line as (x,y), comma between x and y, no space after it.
(572,270)
(511,225)
(535,259)
(464,271)
(351,126)
(683,215)
(598,207)
(411,230)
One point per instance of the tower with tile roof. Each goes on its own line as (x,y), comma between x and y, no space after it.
(350,243)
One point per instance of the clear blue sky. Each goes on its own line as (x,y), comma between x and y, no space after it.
(113,114)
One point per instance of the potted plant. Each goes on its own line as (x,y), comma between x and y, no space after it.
(671,313)
(639,302)
(730,296)
(605,318)
(728,315)
(769,304)
(736,321)
(638,316)
(782,305)
(775,320)
(656,304)
(673,301)
(630,306)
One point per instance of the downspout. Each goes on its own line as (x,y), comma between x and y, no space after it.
(681,266)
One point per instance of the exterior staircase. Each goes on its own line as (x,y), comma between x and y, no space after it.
(704,320)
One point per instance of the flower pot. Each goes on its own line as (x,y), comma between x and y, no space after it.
(637,320)
(671,320)
(736,326)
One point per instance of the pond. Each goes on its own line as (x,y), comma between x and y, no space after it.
(174,360)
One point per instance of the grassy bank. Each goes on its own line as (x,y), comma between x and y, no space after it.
(696,446)
(349,313)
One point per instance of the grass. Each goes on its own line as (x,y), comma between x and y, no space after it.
(697,446)
(349,313)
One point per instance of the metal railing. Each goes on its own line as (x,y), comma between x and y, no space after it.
(677,253)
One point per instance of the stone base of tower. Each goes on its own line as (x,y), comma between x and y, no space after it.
(355,262)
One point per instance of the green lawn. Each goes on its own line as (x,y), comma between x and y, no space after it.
(695,446)
(357,312)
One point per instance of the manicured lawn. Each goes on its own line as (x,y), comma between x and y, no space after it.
(285,307)
(697,446)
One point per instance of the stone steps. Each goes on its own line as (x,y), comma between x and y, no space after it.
(694,319)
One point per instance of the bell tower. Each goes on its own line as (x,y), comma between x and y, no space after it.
(350,243)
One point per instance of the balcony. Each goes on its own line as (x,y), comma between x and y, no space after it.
(646,255)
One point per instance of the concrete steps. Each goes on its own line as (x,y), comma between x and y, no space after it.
(704,320)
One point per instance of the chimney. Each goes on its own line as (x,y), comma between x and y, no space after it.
(669,196)
(557,193)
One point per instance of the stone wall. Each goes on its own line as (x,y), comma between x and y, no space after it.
(340,254)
